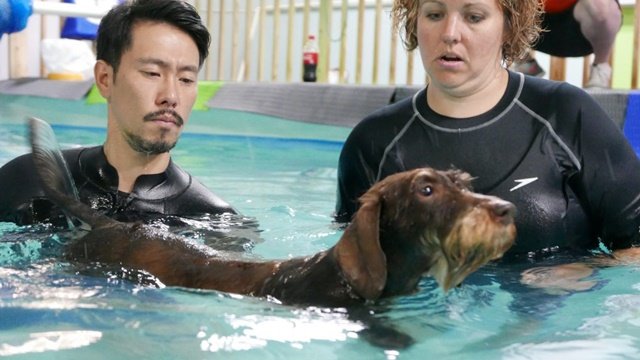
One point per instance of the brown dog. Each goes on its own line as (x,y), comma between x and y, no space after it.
(410,224)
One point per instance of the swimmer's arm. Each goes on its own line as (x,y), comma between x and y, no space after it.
(565,278)
(629,256)
(608,183)
(559,279)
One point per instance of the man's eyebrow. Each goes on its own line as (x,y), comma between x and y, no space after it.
(163,64)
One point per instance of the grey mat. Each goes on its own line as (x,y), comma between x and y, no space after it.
(614,102)
(58,89)
(405,91)
(342,105)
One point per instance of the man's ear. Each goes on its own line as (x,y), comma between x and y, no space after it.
(104,77)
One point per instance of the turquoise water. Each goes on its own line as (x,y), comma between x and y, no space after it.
(50,310)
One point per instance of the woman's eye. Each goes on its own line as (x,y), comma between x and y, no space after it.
(426,191)
(475,18)
(433,16)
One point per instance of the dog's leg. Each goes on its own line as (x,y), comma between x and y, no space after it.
(379,331)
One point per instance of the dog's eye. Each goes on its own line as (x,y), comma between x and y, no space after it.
(426,191)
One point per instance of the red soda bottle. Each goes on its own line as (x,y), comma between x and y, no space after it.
(310,59)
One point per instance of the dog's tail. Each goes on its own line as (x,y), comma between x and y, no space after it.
(54,174)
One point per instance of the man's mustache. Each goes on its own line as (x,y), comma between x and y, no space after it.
(176,117)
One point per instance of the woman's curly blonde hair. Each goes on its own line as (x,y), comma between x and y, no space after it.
(522,25)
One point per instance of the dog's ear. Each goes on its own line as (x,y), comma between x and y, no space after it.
(359,253)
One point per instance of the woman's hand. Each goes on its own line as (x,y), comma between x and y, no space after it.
(560,279)
(630,256)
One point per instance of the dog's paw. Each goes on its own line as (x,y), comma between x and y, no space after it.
(386,337)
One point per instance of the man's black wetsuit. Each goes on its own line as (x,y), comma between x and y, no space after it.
(548,147)
(173,192)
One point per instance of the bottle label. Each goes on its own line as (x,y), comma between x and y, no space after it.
(310,58)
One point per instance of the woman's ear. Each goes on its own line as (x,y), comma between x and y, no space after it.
(104,77)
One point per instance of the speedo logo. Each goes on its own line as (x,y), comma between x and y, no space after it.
(523,182)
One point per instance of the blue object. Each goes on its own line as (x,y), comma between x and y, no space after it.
(14,15)
(78,28)
(632,120)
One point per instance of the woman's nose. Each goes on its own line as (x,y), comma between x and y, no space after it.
(451,31)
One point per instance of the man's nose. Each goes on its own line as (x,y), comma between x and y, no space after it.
(168,95)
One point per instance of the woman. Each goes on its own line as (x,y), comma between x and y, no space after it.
(545,146)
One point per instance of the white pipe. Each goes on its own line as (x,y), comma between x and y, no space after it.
(252,32)
(69,10)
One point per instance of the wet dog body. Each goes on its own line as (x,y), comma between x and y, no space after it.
(176,261)
(410,224)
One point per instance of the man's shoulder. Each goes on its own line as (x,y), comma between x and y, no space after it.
(23,159)
(18,162)
(20,171)
(195,196)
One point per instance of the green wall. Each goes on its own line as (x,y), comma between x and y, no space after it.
(622,55)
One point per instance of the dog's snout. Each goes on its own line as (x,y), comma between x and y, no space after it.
(503,210)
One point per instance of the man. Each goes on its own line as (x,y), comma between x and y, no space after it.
(578,28)
(149,53)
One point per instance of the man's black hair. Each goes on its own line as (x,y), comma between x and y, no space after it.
(114,33)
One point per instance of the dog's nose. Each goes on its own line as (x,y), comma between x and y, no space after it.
(503,210)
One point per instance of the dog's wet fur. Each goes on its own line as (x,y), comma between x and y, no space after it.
(411,224)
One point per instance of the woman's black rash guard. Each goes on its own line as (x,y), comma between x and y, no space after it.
(173,192)
(547,146)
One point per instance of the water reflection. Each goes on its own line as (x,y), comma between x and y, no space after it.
(49,341)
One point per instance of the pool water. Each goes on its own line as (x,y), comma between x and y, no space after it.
(50,309)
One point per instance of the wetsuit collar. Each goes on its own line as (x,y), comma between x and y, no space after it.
(427,114)
(96,169)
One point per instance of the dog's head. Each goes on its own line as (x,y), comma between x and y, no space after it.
(423,221)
